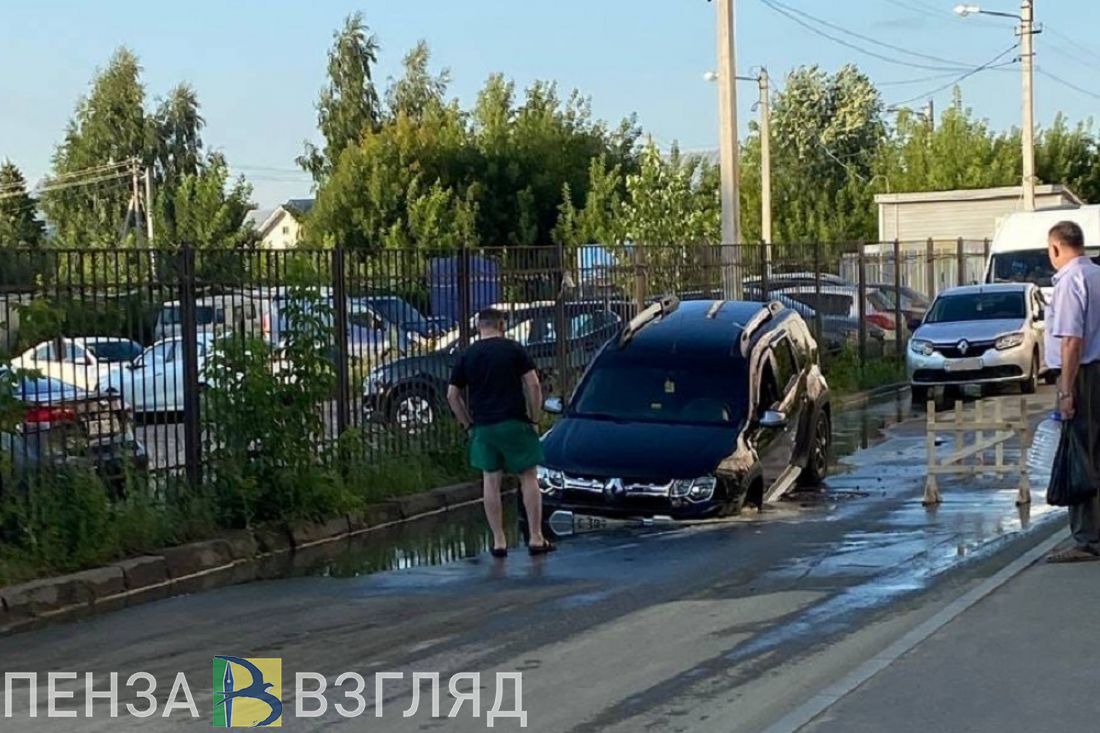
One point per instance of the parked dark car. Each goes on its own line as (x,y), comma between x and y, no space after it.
(410,392)
(694,409)
(57,424)
(912,303)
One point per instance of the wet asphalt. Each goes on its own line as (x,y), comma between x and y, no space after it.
(716,626)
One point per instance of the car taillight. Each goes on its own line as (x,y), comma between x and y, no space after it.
(49,415)
(882,320)
(265,325)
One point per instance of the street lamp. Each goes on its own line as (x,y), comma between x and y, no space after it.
(1027,33)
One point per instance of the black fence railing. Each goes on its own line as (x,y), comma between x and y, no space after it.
(221,355)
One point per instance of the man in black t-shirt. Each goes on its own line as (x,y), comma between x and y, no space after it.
(505,400)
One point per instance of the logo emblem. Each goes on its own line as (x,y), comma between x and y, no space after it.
(964,346)
(614,488)
(248,693)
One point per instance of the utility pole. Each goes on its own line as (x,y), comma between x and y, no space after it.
(765,159)
(929,112)
(1027,59)
(149,205)
(728,152)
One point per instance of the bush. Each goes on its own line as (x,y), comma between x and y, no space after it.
(847,373)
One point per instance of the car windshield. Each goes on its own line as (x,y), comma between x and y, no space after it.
(396,310)
(27,387)
(114,351)
(977,307)
(622,387)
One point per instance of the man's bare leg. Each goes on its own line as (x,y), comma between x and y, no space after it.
(494,512)
(532,503)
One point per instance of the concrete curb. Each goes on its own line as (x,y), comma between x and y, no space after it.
(233,557)
(822,701)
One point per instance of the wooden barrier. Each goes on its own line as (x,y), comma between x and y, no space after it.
(986,418)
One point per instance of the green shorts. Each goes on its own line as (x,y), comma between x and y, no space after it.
(511,445)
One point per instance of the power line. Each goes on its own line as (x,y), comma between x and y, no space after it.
(988,65)
(953,65)
(37,191)
(1068,84)
(1081,48)
(93,171)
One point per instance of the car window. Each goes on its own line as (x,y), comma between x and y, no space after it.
(170,315)
(45,352)
(877,302)
(977,307)
(114,351)
(786,365)
(829,304)
(157,353)
(521,332)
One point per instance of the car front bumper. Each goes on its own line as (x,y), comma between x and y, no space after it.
(992,366)
(627,507)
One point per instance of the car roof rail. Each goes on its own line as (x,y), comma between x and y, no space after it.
(765,314)
(661,307)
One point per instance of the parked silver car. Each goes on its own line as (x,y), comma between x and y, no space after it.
(979,334)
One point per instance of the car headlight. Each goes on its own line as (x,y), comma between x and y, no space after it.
(1009,341)
(922,347)
(699,489)
(550,479)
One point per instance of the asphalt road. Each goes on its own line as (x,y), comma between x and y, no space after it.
(722,626)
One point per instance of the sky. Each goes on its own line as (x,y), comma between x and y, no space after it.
(258,65)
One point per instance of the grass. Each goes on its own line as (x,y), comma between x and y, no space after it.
(847,374)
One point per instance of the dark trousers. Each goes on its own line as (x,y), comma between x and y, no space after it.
(1084,519)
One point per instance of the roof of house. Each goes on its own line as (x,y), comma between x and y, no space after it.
(295,207)
(977,194)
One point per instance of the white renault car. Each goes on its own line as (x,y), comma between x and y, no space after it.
(81,361)
(153,382)
(979,334)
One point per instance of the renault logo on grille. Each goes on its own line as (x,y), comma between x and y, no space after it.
(964,346)
(614,487)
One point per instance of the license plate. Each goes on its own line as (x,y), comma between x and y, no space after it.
(963,365)
(588,523)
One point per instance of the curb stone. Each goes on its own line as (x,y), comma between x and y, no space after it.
(242,543)
(188,560)
(142,572)
(374,515)
(312,533)
(460,494)
(428,502)
(47,595)
(272,538)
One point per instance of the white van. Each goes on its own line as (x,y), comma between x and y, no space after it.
(1018,252)
(213,314)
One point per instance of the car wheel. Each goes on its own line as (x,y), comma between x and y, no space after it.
(413,412)
(1031,384)
(920,396)
(817,461)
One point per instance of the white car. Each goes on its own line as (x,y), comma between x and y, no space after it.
(154,381)
(81,361)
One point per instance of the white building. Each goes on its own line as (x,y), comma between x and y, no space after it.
(281,229)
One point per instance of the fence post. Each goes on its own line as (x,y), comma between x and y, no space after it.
(861,305)
(899,318)
(765,262)
(192,430)
(639,276)
(985,251)
(960,259)
(818,324)
(340,319)
(561,341)
(464,294)
(930,267)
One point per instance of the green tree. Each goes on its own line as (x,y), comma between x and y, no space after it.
(417,90)
(349,105)
(176,136)
(598,220)
(19,222)
(1070,156)
(109,127)
(209,210)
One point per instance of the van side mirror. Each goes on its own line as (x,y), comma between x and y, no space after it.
(553,405)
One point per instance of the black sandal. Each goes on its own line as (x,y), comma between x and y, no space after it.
(544,548)
(499,552)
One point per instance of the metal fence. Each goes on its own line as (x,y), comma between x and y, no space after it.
(148,325)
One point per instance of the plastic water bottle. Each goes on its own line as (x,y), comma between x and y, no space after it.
(1040,457)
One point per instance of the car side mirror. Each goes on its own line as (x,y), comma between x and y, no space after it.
(554,405)
(774,419)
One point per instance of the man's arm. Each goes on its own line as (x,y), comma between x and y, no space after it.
(458,406)
(1071,362)
(532,390)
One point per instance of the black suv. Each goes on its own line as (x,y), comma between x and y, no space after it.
(409,392)
(692,410)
